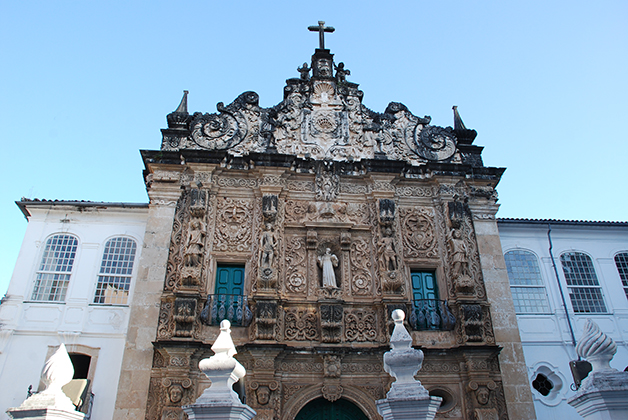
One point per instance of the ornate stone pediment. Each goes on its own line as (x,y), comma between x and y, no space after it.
(320,118)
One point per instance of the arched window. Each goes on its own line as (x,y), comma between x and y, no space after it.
(528,291)
(114,279)
(53,276)
(584,290)
(621,261)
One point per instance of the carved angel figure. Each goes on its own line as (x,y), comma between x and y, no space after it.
(327,262)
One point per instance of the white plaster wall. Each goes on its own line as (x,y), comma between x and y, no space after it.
(546,338)
(27,328)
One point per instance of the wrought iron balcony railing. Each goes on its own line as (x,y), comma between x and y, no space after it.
(431,314)
(234,308)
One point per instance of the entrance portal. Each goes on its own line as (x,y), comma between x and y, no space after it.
(321,409)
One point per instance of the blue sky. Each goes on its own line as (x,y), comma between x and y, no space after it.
(85,85)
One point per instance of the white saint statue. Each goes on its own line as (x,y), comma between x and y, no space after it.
(327,262)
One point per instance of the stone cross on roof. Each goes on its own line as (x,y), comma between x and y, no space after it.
(321,29)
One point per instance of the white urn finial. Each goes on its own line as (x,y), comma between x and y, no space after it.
(403,362)
(596,347)
(57,372)
(222,368)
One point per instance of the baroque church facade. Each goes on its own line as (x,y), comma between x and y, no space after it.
(306,224)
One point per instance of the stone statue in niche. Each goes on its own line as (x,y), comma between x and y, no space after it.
(195,243)
(460,262)
(327,262)
(268,243)
(388,258)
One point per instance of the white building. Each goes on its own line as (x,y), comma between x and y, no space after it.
(561,273)
(72,284)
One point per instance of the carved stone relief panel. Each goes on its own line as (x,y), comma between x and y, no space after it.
(331,323)
(166,325)
(476,325)
(266,322)
(233,225)
(419,239)
(331,212)
(296,271)
(360,257)
(185,317)
(361,325)
(301,324)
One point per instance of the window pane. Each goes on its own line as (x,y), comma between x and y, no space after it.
(621,261)
(53,276)
(530,299)
(587,300)
(523,268)
(578,269)
(116,269)
(528,290)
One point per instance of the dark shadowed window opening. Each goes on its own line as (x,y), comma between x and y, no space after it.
(542,384)
(81,365)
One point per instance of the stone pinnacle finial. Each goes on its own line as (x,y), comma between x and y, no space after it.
(596,347)
(57,372)
(183,106)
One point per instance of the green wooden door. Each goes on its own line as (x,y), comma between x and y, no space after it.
(426,314)
(229,280)
(321,409)
(424,285)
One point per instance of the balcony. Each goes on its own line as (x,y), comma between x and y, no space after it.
(431,315)
(234,308)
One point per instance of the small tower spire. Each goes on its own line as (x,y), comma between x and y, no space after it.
(183,106)
(178,118)
(464,135)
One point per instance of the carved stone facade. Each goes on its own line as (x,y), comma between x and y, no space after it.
(329,210)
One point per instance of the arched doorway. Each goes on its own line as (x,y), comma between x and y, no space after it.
(321,409)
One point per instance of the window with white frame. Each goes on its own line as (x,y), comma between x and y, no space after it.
(114,278)
(584,289)
(53,276)
(621,261)
(526,285)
